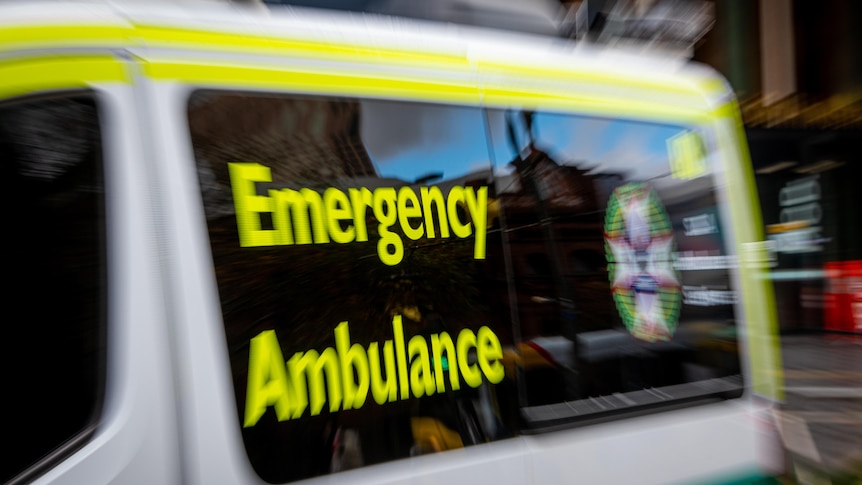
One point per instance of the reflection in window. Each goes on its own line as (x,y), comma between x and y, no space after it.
(595,209)
(538,264)
(586,261)
(378,221)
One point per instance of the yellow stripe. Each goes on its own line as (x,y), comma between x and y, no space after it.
(439,90)
(641,107)
(263,45)
(456,64)
(587,75)
(678,100)
(456,87)
(33,75)
(757,292)
(713,86)
(700,86)
(253,77)
(76,36)
(359,79)
(178,38)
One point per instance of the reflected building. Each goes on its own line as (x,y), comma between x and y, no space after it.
(306,138)
(554,223)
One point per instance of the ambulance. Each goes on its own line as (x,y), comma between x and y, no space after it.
(285,246)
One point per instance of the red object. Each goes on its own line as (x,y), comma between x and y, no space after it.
(842,298)
(854,287)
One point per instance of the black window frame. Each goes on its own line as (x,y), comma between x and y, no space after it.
(62,450)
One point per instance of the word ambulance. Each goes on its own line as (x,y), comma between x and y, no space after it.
(303,216)
(347,372)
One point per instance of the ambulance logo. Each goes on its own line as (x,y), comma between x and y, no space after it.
(639,246)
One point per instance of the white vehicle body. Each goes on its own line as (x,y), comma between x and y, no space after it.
(169,411)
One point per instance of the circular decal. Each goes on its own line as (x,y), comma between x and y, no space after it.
(638,246)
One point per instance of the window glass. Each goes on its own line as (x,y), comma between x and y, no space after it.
(619,264)
(50,153)
(359,265)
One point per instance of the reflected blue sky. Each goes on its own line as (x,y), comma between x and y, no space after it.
(607,146)
(409,141)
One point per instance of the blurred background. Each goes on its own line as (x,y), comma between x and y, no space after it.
(796,68)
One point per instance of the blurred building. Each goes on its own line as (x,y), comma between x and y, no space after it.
(796,69)
(669,27)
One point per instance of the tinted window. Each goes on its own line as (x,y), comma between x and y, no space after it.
(618,261)
(359,264)
(54,297)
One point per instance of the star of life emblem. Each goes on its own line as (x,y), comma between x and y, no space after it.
(639,246)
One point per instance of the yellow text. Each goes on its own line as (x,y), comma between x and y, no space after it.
(343,376)
(306,216)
